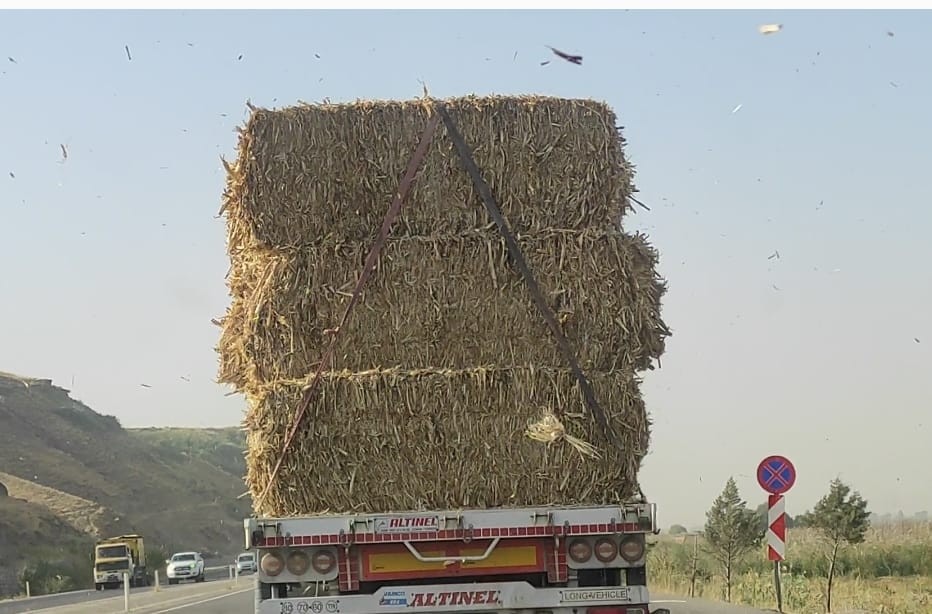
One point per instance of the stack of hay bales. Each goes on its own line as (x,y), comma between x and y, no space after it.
(446,360)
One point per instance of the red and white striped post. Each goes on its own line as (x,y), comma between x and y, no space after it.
(776,475)
(776,528)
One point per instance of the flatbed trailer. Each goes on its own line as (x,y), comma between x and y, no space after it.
(534,560)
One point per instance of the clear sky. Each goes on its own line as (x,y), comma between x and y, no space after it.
(812,142)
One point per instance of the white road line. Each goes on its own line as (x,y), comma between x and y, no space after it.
(668,601)
(188,605)
(108,602)
(6,601)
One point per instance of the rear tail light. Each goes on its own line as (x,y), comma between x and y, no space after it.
(580,550)
(323,561)
(272,563)
(298,562)
(606,550)
(632,548)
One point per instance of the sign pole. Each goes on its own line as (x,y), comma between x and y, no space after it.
(776,541)
(776,475)
(777,586)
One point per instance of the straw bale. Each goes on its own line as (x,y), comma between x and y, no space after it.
(331,170)
(390,440)
(453,301)
(242,280)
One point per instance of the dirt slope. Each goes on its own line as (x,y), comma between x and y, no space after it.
(92,477)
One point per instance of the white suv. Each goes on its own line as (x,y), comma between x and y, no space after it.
(246,562)
(185,566)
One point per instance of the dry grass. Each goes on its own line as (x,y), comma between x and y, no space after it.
(393,440)
(81,514)
(890,573)
(806,595)
(414,421)
(881,535)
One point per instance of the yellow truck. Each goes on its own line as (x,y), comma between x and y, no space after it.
(115,556)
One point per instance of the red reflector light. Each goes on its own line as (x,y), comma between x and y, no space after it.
(632,548)
(606,550)
(272,563)
(580,551)
(323,562)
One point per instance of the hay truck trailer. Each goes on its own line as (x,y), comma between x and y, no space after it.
(548,560)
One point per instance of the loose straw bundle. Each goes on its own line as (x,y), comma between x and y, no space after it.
(550,429)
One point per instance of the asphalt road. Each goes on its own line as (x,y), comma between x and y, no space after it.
(142,600)
(220,597)
(681,605)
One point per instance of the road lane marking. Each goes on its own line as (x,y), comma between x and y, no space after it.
(170,596)
(188,605)
(668,601)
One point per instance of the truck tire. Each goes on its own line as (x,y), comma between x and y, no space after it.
(98,586)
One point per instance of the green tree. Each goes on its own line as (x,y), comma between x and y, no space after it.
(155,561)
(731,531)
(677,529)
(842,518)
(46,577)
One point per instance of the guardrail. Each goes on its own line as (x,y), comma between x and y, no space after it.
(46,596)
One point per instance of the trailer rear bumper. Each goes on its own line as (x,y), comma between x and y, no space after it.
(478,597)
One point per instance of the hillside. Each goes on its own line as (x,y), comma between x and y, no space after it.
(222,448)
(82,475)
(24,524)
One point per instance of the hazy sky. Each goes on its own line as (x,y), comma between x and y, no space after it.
(813,142)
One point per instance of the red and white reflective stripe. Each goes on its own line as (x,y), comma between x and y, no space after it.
(380,538)
(557,570)
(776,528)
